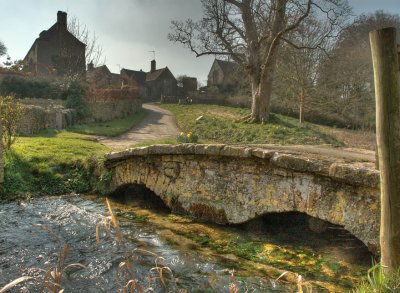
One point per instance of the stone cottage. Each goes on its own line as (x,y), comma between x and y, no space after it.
(221,73)
(134,79)
(56,51)
(189,84)
(112,95)
(149,86)
(160,82)
(102,77)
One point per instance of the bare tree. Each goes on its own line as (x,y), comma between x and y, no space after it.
(250,32)
(94,51)
(345,84)
(297,69)
(3,49)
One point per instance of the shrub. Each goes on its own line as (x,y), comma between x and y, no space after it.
(74,91)
(377,281)
(29,88)
(11,115)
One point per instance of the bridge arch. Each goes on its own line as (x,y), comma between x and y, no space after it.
(227,184)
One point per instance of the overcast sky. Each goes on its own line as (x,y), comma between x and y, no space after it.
(127,29)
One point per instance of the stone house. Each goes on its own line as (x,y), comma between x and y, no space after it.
(221,73)
(149,86)
(189,84)
(134,79)
(112,95)
(56,51)
(102,77)
(160,82)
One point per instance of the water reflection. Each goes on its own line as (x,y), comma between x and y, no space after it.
(33,232)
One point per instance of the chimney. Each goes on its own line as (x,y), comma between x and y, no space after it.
(153,65)
(62,19)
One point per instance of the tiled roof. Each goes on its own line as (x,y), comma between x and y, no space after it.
(139,76)
(150,76)
(227,66)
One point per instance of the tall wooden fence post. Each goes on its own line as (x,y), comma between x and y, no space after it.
(387,93)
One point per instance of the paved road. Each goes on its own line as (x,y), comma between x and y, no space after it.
(158,124)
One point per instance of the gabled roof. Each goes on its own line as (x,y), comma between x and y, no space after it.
(102,68)
(227,67)
(46,34)
(150,76)
(139,76)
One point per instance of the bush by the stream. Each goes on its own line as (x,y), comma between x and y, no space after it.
(52,163)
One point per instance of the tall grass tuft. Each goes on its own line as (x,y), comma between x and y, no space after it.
(51,280)
(14,283)
(127,282)
(379,282)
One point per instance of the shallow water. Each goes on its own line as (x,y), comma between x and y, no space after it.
(33,233)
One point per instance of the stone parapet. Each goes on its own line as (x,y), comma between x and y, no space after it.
(234,184)
(354,173)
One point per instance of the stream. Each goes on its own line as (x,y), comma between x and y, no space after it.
(195,257)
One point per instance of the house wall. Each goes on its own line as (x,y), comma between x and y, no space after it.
(99,78)
(189,84)
(215,76)
(165,85)
(60,54)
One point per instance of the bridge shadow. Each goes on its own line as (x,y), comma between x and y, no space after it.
(140,195)
(301,230)
(293,229)
(290,241)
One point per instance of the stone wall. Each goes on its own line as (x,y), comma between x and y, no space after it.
(232,184)
(44,113)
(109,104)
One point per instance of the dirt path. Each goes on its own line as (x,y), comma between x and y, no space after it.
(325,151)
(158,124)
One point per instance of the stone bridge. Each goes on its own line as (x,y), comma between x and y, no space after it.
(234,184)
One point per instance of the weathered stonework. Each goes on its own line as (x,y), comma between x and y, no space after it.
(234,184)
(109,104)
(44,113)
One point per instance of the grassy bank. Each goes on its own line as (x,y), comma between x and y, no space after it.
(219,124)
(50,162)
(110,128)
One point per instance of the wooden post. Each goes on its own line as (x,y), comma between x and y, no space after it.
(387,94)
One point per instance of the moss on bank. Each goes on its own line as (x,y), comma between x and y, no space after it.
(50,163)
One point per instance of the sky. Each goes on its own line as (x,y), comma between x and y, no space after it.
(126,29)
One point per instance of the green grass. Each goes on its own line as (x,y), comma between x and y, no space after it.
(377,281)
(48,163)
(111,128)
(218,124)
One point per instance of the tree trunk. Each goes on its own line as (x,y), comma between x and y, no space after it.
(387,92)
(261,94)
(301,106)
